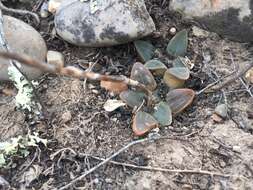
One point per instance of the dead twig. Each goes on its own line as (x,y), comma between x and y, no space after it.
(21,12)
(149,168)
(105,161)
(237,75)
(71,71)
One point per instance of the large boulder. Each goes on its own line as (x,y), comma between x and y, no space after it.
(22,39)
(230,18)
(106,23)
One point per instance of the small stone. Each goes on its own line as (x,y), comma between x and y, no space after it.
(94,91)
(222,163)
(55,58)
(84,24)
(186,187)
(53,5)
(216,118)
(198,32)
(66,117)
(108,180)
(237,148)
(249,75)
(173,31)
(222,110)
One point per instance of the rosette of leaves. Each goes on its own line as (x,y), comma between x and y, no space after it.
(152,112)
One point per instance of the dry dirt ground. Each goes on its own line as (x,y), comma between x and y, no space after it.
(78,128)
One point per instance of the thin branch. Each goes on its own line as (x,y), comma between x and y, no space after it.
(109,159)
(105,161)
(237,75)
(203,172)
(18,11)
(71,71)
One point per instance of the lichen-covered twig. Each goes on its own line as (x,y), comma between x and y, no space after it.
(21,12)
(71,71)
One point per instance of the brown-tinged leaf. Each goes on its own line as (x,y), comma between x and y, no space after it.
(141,74)
(132,98)
(156,67)
(163,114)
(143,123)
(172,81)
(179,99)
(116,87)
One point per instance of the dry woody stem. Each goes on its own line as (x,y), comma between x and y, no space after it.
(71,71)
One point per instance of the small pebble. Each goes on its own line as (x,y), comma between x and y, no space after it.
(66,117)
(94,91)
(237,148)
(173,31)
(55,58)
(222,110)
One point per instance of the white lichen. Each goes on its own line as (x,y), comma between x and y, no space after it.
(24,98)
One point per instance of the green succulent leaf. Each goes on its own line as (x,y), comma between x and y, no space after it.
(178,62)
(132,98)
(156,66)
(178,44)
(145,50)
(163,114)
(182,73)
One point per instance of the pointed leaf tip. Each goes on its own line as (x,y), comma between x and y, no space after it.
(145,49)
(163,114)
(178,44)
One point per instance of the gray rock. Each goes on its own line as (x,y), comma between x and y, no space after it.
(22,39)
(230,18)
(110,22)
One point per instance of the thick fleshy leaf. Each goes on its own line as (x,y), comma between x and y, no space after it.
(111,105)
(178,44)
(182,73)
(145,50)
(156,67)
(132,98)
(179,99)
(116,87)
(163,114)
(143,123)
(178,62)
(172,81)
(141,74)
